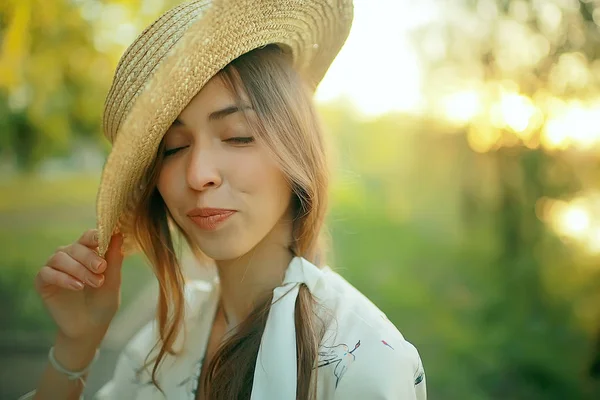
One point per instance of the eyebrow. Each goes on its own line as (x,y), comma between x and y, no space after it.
(219,114)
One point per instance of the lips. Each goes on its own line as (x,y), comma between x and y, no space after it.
(208,212)
(210,218)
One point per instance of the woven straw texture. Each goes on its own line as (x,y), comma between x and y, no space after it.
(172,59)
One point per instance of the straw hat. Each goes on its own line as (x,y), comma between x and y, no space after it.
(172,60)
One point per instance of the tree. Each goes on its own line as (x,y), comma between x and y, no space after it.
(537,52)
(56,64)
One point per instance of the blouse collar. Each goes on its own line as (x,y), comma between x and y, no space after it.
(276,365)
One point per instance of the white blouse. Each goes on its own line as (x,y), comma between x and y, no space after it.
(362,355)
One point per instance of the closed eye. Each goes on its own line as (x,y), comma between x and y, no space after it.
(173,151)
(233,140)
(240,140)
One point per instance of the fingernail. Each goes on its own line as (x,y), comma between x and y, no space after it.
(95,238)
(122,242)
(77,285)
(95,282)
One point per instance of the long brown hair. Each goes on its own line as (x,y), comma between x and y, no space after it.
(288,124)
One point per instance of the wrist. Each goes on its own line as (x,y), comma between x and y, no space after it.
(75,355)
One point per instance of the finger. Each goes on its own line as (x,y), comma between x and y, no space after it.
(114,261)
(89,238)
(66,263)
(86,256)
(50,276)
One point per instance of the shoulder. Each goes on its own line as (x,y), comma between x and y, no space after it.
(197,294)
(352,311)
(132,373)
(363,354)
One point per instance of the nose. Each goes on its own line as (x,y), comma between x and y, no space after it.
(202,170)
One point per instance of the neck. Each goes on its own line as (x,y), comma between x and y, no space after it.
(251,278)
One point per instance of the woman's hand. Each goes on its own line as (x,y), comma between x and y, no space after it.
(81,290)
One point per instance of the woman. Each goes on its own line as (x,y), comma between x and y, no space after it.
(216,141)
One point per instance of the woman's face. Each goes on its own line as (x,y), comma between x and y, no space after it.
(213,162)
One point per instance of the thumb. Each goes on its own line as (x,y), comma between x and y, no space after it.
(114,262)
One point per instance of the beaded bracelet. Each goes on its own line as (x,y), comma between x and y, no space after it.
(71,375)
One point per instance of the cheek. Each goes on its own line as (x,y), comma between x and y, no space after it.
(262,180)
(167,184)
(256,174)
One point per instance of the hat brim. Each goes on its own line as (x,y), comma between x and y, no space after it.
(312,32)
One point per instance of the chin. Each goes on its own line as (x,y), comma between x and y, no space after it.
(224,251)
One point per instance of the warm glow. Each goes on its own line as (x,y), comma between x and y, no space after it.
(585,131)
(575,125)
(593,242)
(556,134)
(462,107)
(482,139)
(572,124)
(570,219)
(378,69)
(575,221)
(516,111)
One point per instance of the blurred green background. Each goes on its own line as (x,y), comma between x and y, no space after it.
(470,216)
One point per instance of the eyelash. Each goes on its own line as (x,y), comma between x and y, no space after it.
(241,140)
(235,140)
(172,151)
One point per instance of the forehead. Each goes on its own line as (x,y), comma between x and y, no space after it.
(214,95)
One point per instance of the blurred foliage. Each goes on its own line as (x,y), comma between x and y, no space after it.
(497,304)
(48,94)
(549,45)
(56,64)
(45,216)
(525,72)
(475,227)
